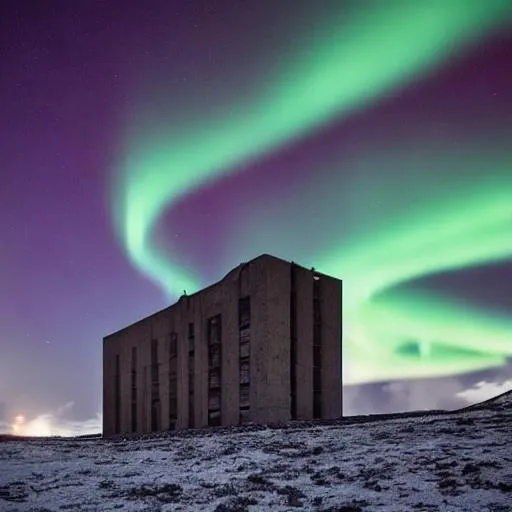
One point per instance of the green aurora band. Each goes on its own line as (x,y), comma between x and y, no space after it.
(346,68)
(470,229)
(384,321)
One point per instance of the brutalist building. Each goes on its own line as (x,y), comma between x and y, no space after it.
(262,345)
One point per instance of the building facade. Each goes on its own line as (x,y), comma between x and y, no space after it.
(262,345)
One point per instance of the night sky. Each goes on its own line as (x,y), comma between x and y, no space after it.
(149,147)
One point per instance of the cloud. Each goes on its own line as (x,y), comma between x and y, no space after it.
(49,425)
(63,409)
(53,423)
(484,390)
(447,393)
(424,394)
(402,396)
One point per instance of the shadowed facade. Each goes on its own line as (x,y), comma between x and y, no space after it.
(262,345)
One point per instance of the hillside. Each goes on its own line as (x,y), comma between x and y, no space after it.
(459,461)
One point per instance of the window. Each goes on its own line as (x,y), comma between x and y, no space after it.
(214,330)
(145,393)
(244,372)
(191,338)
(173,345)
(244,335)
(293,343)
(214,353)
(214,401)
(317,348)
(154,352)
(245,350)
(117,396)
(191,395)
(317,356)
(317,404)
(244,397)
(214,379)
(317,330)
(173,380)
(214,336)
(317,381)
(245,403)
(244,312)
(134,389)
(244,338)
(155,387)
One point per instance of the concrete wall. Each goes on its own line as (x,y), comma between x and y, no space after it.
(331,293)
(108,386)
(266,280)
(270,324)
(304,287)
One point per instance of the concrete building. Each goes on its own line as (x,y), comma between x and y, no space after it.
(261,345)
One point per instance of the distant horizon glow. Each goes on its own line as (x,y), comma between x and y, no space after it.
(52,424)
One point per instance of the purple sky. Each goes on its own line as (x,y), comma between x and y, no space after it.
(67,72)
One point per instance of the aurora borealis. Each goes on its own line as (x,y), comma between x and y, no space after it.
(354,59)
(150,148)
(345,69)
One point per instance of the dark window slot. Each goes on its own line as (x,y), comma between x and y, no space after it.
(214,379)
(244,312)
(155,388)
(214,419)
(191,386)
(134,390)
(244,372)
(317,348)
(293,343)
(317,405)
(317,381)
(117,396)
(317,355)
(173,380)
(244,396)
(245,351)
(244,339)
(244,416)
(214,338)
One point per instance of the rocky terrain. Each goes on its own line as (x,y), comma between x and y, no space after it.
(456,461)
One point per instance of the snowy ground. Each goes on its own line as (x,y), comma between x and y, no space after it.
(458,461)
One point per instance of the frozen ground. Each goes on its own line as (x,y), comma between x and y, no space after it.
(457,461)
